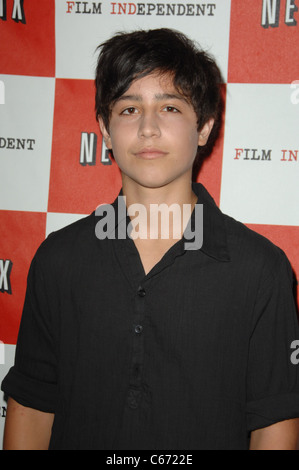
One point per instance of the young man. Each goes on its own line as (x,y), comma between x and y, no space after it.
(143,342)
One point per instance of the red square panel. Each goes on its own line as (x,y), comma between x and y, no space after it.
(211,170)
(77,187)
(287,238)
(264,38)
(27,45)
(21,233)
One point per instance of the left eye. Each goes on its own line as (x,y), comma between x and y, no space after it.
(171,109)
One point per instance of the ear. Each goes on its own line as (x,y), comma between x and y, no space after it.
(205,132)
(105,134)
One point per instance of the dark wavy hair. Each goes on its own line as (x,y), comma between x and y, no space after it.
(129,56)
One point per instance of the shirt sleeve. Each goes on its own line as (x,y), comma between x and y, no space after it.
(272,375)
(32,381)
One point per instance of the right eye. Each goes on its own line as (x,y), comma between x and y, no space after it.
(130,110)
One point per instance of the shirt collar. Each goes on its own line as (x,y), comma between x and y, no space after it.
(214,228)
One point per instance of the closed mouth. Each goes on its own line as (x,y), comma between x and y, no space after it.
(150,153)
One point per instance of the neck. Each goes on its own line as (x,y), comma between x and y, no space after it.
(176,194)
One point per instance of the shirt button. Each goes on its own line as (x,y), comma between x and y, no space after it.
(132,402)
(141,292)
(138,329)
(133,398)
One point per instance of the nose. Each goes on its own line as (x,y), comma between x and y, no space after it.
(149,125)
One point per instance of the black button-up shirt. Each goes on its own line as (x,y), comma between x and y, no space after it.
(194,355)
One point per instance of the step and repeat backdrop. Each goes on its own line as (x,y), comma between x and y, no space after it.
(54,167)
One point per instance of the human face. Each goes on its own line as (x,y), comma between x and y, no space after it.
(153,133)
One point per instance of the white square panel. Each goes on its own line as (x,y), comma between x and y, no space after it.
(26,121)
(57,221)
(9,356)
(82,26)
(261,155)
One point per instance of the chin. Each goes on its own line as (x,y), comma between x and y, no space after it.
(153,181)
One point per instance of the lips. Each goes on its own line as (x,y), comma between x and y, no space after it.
(150,153)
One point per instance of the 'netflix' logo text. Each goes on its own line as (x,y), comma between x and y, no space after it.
(272,11)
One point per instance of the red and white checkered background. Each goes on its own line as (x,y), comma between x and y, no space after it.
(53,165)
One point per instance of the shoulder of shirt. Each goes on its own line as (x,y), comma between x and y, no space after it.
(256,249)
(68,241)
(249,239)
(247,243)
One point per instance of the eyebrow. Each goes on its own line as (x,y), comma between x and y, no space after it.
(158,97)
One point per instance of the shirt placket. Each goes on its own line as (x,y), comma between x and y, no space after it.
(135,391)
